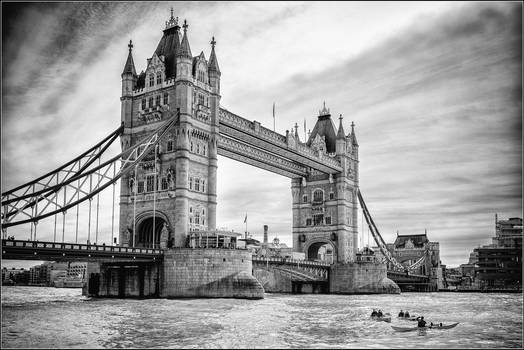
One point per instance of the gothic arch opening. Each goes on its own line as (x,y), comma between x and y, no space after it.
(321,251)
(145,232)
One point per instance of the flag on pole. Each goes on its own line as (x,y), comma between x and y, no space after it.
(245,219)
(273,116)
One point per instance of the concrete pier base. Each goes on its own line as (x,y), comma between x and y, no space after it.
(361,278)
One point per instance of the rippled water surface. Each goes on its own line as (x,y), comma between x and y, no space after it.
(35,317)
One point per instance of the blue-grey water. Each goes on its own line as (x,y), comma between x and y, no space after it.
(35,317)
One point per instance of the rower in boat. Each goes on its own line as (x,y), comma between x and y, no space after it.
(401,313)
(374,313)
(421,322)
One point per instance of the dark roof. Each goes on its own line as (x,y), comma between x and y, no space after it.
(340,133)
(324,127)
(130,65)
(418,240)
(185,50)
(169,46)
(213,63)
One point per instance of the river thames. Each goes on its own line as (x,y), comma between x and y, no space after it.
(43,317)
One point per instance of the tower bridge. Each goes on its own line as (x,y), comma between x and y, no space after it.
(172,130)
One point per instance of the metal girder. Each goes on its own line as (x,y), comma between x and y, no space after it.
(77,187)
(248,154)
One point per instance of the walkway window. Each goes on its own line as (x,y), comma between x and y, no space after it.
(318,196)
(151,80)
(159,78)
(166,98)
(157,102)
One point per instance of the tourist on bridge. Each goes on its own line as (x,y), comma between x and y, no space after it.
(401,313)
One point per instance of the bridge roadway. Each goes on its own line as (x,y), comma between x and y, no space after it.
(54,251)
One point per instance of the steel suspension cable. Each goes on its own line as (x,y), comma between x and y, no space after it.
(89,221)
(113,211)
(63,217)
(135,185)
(97,206)
(77,208)
(154,199)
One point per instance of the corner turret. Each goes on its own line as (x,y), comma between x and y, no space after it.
(129,74)
(184,59)
(341,139)
(213,70)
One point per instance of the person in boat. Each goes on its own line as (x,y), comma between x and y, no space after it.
(374,313)
(401,313)
(379,313)
(421,322)
(406,314)
(440,324)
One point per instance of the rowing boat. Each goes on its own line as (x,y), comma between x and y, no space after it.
(385,318)
(410,329)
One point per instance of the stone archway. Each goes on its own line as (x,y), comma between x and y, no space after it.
(144,228)
(326,248)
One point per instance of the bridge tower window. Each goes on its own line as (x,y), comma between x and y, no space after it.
(143,103)
(331,195)
(140,186)
(308,222)
(151,80)
(203,184)
(190,183)
(151,102)
(159,78)
(204,150)
(191,146)
(164,184)
(318,196)
(197,185)
(166,98)
(157,100)
(150,183)
(304,199)
(318,219)
(328,220)
(170,145)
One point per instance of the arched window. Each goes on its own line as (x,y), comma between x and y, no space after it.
(151,102)
(197,184)
(191,146)
(318,196)
(198,149)
(157,102)
(152,80)
(204,150)
(159,78)
(143,103)
(166,98)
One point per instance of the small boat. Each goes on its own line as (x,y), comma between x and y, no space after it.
(385,318)
(411,329)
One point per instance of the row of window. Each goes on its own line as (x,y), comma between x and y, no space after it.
(195,184)
(158,79)
(318,220)
(198,148)
(201,76)
(202,100)
(318,196)
(150,184)
(155,101)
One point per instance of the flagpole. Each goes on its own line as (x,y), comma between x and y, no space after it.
(273,116)
(245,234)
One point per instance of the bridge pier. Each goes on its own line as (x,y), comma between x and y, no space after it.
(361,278)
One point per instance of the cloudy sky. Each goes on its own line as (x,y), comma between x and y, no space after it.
(434,89)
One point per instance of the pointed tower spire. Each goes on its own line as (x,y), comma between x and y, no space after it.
(353,136)
(340,134)
(129,68)
(213,63)
(185,50)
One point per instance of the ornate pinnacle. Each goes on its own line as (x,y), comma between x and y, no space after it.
(173,22)
(185,25)
(340,118)
(213,42)
(130,45)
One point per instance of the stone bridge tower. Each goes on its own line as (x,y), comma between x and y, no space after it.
(325,206)
(173,192)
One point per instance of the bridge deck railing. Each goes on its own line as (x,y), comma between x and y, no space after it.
(78,246)
(290,261)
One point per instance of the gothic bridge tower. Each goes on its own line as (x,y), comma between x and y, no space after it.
(173,190)
(325,205)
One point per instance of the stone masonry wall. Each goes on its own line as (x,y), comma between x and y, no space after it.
(210,273)
(361,278)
